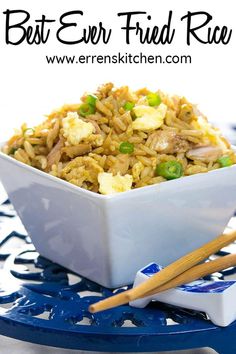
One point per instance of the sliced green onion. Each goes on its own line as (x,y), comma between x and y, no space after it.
(86,109)
(169,169)
(126,148)
(153,99)
(225,161)
(91,100)
(89,107)
(128,106)
(133,115)
(12,151)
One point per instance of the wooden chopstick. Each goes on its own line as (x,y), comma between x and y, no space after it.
(198,271)
(181,265)
(170,272)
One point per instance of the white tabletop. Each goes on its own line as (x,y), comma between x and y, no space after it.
(8,345)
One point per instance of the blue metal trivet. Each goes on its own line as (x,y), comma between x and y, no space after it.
(44,303)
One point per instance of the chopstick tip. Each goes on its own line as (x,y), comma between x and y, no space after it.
(92,309)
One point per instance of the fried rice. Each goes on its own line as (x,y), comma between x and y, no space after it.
(117,139)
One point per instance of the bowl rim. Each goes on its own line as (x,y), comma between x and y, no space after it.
(135,191)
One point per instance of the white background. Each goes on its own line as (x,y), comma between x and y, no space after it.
(31,88)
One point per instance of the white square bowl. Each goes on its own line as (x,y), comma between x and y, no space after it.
(108,238)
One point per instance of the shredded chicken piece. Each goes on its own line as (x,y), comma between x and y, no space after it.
(121,164)
(95,124)
(55,154)
(206,153)
(168,142)
(77,150)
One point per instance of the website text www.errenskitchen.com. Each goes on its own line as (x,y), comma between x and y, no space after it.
(119,58)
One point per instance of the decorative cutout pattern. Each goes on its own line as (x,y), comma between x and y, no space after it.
(45,303)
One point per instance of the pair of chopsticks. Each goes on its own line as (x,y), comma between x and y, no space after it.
(182,271)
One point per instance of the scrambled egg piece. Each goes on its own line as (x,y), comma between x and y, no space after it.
(137,169)
(149,118)
(213,134)
(109,184)
(75,129)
